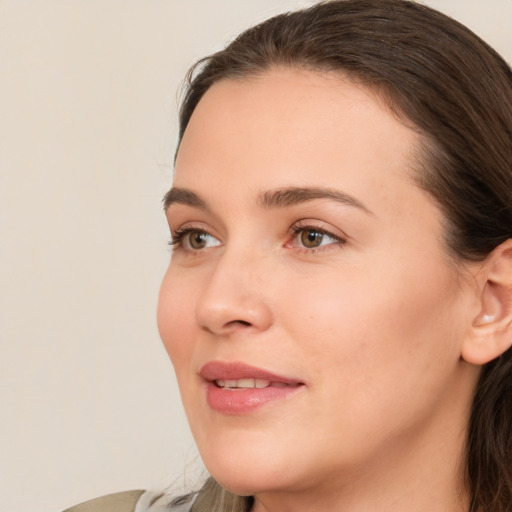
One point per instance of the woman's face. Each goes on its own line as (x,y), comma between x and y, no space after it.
(312,316)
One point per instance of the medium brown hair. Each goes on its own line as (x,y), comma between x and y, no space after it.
(456,91)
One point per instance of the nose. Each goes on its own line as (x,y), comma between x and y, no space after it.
(236,297)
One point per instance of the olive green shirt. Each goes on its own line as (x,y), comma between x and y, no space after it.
(131,501)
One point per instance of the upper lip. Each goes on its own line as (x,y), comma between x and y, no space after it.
(219,370)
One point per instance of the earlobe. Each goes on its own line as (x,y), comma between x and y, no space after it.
(491,330)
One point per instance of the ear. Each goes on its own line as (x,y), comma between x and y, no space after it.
(491,330)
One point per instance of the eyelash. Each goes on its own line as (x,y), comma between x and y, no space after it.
(176,240)
(178,236)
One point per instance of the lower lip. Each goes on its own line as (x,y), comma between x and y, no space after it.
(245,400)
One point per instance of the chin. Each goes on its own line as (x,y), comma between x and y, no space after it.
(249,481)
(246,465)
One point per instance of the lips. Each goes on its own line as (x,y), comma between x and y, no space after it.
(237,388)
(217,370)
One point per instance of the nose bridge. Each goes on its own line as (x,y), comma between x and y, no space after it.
(235,296)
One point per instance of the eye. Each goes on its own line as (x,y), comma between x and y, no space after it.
(312,237)
(193,239)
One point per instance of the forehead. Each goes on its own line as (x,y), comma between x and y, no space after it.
(292,127)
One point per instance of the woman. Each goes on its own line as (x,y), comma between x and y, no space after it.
(338,306)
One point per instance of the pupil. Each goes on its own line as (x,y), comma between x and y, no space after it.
(311,238)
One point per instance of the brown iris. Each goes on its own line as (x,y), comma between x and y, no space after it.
(311,238)
(198,240)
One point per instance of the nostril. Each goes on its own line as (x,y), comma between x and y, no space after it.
(239,322)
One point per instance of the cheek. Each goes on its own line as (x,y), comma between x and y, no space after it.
(364,327)
(379,347)
(175,305)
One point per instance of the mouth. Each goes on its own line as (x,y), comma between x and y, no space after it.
(237,388)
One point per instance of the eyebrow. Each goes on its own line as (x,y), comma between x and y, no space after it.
(289,196)
(279,198)
(183,196)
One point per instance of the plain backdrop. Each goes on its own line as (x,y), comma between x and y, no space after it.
(88,90)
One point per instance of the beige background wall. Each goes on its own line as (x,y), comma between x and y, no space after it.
(88,401)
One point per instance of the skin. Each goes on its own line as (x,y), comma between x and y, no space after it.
(372,321)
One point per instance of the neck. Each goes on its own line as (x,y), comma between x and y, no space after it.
(396,488)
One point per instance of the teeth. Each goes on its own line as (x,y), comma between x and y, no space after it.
(244,383)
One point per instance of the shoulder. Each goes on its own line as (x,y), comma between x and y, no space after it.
(118,502)
(131,501)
